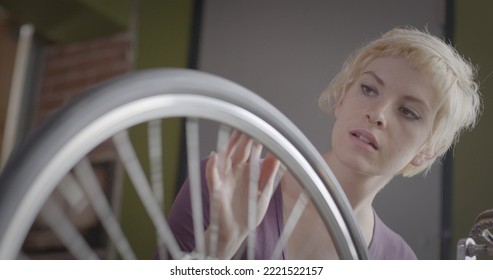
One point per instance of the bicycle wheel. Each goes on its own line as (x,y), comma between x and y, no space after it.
(56,158)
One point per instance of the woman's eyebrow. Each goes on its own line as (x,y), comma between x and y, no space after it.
(408,97)
(375,76)
(418,101)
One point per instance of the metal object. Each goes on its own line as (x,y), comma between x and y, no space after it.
(106,112)
(17,91)
(480,240)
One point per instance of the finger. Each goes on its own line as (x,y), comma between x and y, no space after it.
(254,168)
(241,151)
(256,151)
(235,135)
(225,152)
(211,173)
(270,167)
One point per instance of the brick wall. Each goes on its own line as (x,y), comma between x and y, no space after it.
(68,70)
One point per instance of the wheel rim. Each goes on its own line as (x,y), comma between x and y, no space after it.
(167,106)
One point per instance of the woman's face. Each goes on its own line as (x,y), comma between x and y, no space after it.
(385,118)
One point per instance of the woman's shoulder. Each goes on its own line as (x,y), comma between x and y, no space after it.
(388,245)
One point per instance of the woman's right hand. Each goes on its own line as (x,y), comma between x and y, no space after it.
(228,176)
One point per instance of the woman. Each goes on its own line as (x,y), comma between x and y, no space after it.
(400,102)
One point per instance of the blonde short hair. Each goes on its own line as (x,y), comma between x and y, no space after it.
(452,76)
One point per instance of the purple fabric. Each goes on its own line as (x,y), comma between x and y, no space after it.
(181,223)
(388,245)
(385,244)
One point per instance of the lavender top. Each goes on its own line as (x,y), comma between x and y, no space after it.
(385,245)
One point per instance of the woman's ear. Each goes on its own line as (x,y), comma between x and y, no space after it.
(422,158)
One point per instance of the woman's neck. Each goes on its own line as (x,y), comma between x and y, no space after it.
(359,188)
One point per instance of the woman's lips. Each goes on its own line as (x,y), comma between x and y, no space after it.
(366,137)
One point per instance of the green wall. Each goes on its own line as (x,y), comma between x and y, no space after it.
(69,21)
(472,187)
(163,41)
(163,32)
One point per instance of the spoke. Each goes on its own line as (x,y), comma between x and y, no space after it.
(65,230)
(223,137)
(192,132)
(116,201)
(155,157)
(222,142)
(136,173)
(102,207)
(280,173)
(72,193)
(291,222)
(252,205)
(156,167)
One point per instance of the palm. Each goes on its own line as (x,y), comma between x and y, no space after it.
(229,174)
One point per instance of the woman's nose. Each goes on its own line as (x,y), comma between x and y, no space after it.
(373,120)
(376,116)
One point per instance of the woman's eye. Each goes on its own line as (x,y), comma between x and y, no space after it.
(367,90)
(410,114)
